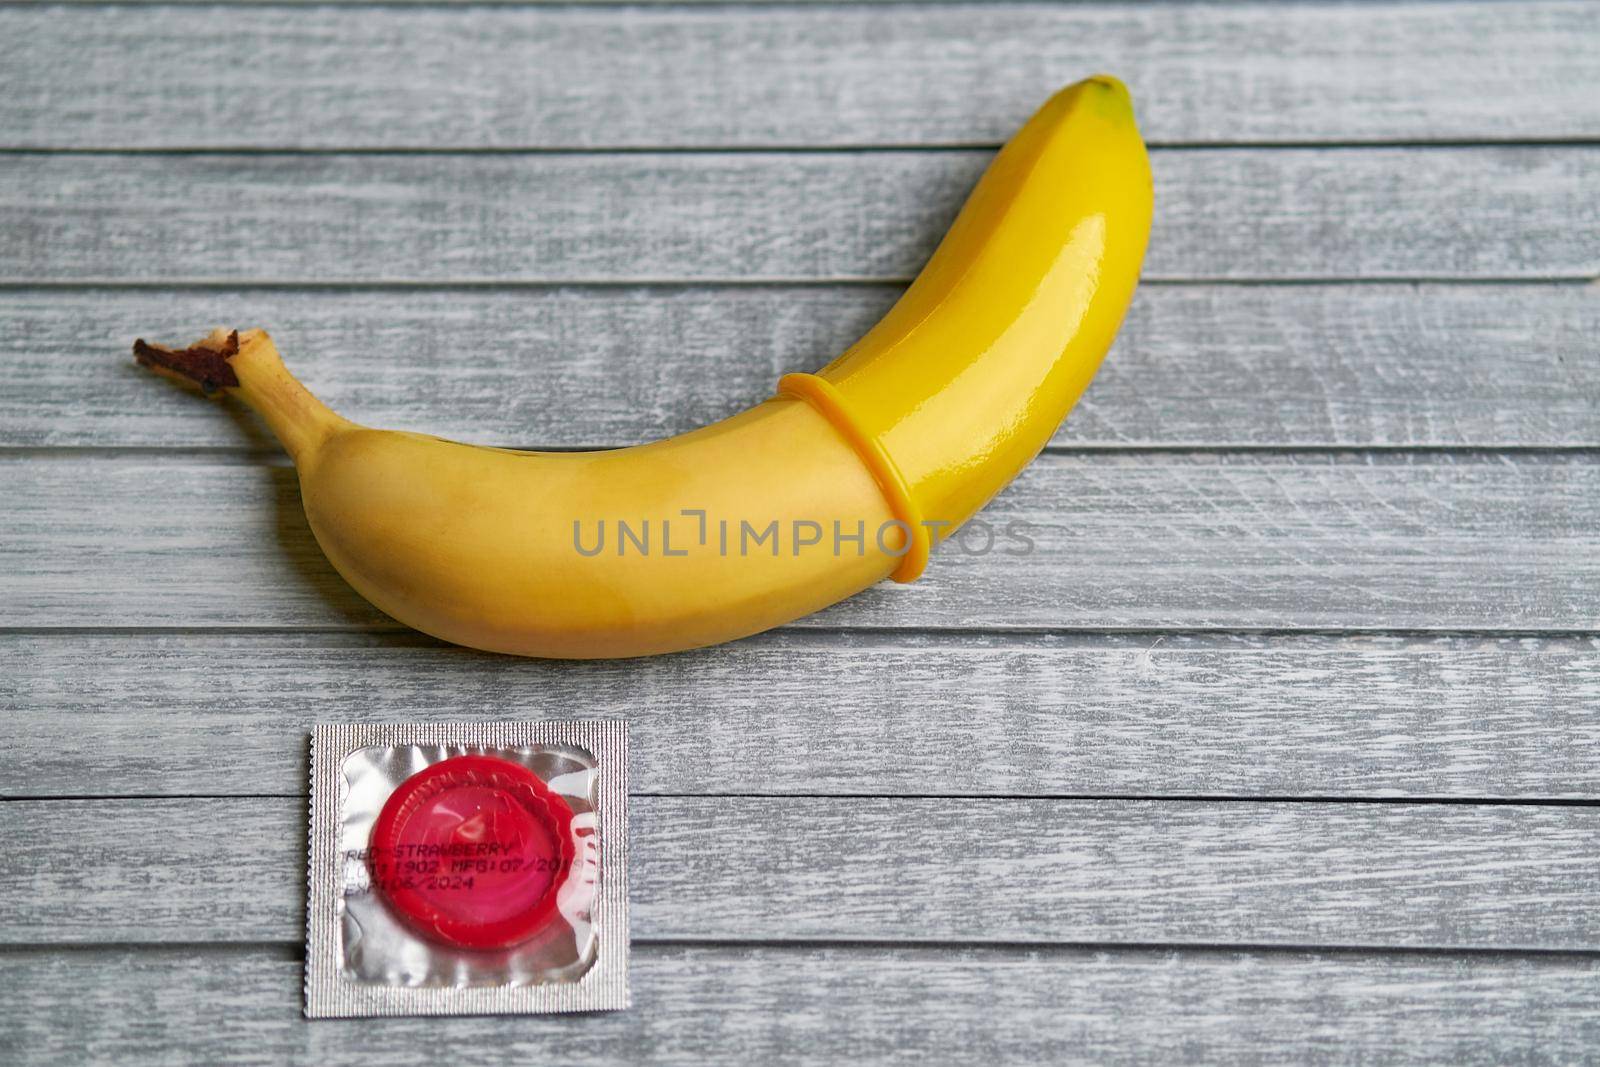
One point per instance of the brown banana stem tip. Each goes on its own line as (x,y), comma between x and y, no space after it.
(204,364)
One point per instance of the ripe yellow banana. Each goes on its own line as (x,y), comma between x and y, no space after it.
(841,479)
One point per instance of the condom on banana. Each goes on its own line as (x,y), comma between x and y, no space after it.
(842,478)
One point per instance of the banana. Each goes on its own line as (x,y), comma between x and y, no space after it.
(842,478)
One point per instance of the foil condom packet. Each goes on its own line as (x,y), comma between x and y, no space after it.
(467,869)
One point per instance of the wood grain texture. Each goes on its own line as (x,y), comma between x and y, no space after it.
(839,75)
(1509,212)
(1210,365)
(1119,541)
(1221,716)
(877,869)
(802,1005)
(965,821)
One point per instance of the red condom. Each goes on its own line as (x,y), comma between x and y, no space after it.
(473,851)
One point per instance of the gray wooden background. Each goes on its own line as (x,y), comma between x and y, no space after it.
(1284,746)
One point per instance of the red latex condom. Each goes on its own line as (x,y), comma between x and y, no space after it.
(473,851)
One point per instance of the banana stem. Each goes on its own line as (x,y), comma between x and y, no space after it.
(248,364)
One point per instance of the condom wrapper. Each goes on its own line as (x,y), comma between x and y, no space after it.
(467,869)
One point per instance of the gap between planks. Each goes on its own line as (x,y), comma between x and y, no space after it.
(294,949)
(1132,798)
(536,285)
(775,149)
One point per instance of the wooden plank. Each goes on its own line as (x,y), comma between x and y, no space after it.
(1339,365)
(1119,541)
(838,75)
(780,868)
(1223,716)
(805,1004)
(1511,212)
